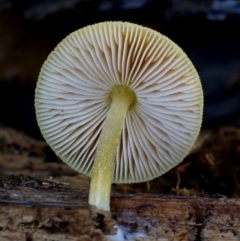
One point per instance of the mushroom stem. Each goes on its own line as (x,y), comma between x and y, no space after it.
(122,98)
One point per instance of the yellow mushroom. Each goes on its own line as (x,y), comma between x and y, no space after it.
(120,103)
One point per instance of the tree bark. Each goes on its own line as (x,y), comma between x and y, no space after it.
(34,209)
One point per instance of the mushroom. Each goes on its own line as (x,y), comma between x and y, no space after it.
(120,103)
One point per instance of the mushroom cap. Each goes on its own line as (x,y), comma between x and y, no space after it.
(71,99)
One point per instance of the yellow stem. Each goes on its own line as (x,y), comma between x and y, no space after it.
(103,168)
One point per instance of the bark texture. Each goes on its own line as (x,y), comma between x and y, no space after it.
(35,209)
(54,207)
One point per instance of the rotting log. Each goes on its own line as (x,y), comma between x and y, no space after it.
(179,218)
(31,209)
(44,209)
(41,210)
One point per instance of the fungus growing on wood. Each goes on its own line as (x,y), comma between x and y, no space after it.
(120,103)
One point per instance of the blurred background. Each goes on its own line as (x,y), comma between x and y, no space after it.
(207,30)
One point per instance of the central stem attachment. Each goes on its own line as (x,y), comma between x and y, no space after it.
(122,98)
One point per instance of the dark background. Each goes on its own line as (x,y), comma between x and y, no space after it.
(208,31)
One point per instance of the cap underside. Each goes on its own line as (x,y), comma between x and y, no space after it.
(72,99)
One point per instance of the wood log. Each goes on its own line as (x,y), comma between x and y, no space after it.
(35,209)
